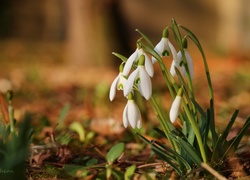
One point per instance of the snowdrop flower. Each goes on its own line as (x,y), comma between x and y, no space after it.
(189,63)
(164,46)
(117,84)
(141,78)
(134,58)
(131,114)
(180,63)
(175,107)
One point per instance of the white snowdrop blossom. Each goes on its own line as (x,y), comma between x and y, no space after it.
(134,58)
(175,107)
(190,64)
(141,78)
(131,114)
(117,84)
(165,45)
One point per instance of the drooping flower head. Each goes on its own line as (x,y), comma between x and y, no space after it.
(118,83)
(141,79)
(165,47)
(131,113)
(133,58)
(180,61)
(175,107)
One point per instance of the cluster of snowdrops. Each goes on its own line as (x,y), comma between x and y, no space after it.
(140,78)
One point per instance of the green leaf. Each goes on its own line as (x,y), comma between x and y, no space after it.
(238,138)
(212,124)
(114,152)
(199,108)
(151,51)
(76,171)
(234,143)
(91,162)
(117,173)
(197,43)
(168,155)
(229,126)
(62,115)
(123,58)
(129,172)
(189,149)
(177,33)
(77,127)
(146,38)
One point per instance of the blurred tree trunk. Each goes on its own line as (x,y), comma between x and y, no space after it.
(53,20)
(86,40)
(234,26)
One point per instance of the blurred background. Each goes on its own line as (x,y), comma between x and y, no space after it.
(66,45)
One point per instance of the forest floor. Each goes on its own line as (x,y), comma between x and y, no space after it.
(60,94)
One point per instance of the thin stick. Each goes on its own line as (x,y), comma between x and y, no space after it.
(213,172)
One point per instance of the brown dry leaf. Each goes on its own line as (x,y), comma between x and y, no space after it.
(64,154)
(39,158)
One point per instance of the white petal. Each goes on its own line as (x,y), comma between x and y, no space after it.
(113,88)
(139,123)
(125,116)
(172,68)
(173,51)
(132,58)
(145,83)
(160,47)
(133,113)
(182,67)
(122,80)
(190,64)
(149,66)
(175,109)
(130,82)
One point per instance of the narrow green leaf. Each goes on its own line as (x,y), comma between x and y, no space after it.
(175,154)
(234,143)
(146,38)
(167,154)
(229,126)
(199,108)
(177,33)
(212,124)
(151,51)
(217,150)
(62,115)
(205,128)
(166,157)
(160,132)
(189,149)
(197,43)
(123,58)
(238,138)
(114,152)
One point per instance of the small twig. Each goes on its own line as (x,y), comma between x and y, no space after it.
(149,165)
(213,172)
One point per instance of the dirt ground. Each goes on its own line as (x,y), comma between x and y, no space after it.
(46,85)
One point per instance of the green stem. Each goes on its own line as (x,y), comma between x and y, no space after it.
(196,131)
(161,118)
(11,115)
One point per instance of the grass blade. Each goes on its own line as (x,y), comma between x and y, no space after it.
(123,58)
(229,126)
(146,38)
